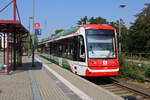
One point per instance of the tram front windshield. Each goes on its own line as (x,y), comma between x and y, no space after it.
(100,43)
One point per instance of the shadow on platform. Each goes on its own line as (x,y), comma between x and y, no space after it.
(28,66)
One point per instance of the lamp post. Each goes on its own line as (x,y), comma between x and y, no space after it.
(121,6)
(29,37)
(33,3)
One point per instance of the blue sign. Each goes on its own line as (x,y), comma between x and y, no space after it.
(37,31)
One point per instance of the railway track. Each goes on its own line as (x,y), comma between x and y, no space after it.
(123,91)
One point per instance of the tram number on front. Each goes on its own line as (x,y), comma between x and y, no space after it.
(105,62)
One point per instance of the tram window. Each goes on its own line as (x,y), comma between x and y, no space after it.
(75,49)
(53,49)
(72,48)
(81,49)
(68,43)
(50,48)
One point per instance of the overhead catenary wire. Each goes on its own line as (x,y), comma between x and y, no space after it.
(6,6)
(18,13)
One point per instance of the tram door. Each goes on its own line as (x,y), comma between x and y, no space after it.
(81,49)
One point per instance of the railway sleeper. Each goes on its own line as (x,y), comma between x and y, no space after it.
(116,89)
(121,92)
(110,87)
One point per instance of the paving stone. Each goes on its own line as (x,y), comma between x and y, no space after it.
(92,90)
(16,86)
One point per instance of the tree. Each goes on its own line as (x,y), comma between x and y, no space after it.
(52,35)
(92,20)
(30,43)
(98,20)
(83,21)
(124,33)
(140,32)
(58,31)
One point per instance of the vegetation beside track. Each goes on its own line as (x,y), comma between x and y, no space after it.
(132,70)
(147,71)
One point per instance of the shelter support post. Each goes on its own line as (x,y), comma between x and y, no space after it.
(11,49)
(14,51)
(14,9)
(4,47)
(8,53)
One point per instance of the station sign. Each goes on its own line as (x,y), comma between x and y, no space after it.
(37,30)
(36,25)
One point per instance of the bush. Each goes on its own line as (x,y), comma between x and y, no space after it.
(123,67)
(147,71)
(129,70)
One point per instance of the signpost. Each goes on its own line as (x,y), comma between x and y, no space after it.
(36,25)
(37,30)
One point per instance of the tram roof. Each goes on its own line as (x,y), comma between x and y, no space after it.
(62,34)
(91,26)
(12,26)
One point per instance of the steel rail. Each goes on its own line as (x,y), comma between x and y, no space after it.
(132,90)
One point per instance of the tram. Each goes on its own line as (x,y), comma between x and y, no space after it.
(88,50)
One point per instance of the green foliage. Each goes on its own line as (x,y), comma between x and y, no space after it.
(147,71)
(139,32)
(99,20)
(52,35)
(26,47)
(124,34)
(58,31)
(129,70)
(92,20)
(83,21)
(135,39)
(30,43)
(35,42)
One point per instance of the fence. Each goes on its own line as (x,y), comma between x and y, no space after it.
(142,58)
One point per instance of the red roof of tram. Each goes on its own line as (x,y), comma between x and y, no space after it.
(98,26)
(12,26)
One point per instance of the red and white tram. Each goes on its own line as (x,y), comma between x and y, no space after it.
(88,50)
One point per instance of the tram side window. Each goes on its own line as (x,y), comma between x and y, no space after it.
(50,48)
(67,48)
(72,48)
(75,49)
(57,51)
(53,48)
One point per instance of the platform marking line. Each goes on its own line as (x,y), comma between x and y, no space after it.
(76,90)
(67,91)
(35,90)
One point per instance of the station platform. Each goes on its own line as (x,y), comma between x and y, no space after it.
(47,81)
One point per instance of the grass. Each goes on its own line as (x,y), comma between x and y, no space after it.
(147,71)
(130,70)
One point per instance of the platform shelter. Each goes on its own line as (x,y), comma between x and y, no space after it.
(12,33)
(11,47)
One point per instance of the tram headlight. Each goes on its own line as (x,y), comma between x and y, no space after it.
(92,62)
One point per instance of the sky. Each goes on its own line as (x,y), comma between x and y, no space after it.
(63,14)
